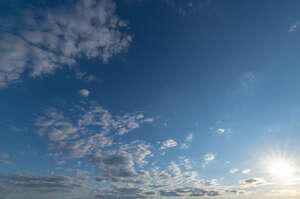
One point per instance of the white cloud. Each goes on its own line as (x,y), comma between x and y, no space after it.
(47,42)
(175,169)
(208,158)
(186,163)
(294,26)
(84,92)
(246,171)
(189,137)
(232,171)
(168,144)
(221,131)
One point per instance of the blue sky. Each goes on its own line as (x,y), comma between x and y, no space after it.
(149,99)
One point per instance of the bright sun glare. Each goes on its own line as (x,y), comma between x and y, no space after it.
(281,168)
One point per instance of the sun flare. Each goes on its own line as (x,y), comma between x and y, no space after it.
(280,168)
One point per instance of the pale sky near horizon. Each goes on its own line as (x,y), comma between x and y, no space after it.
(141,99)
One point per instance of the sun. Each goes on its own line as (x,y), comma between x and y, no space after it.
(280,168)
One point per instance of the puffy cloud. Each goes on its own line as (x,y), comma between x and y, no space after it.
(168,144)
(56,126)
(87,128)
(84,92)
(117,168)
(51,39)
(175,169)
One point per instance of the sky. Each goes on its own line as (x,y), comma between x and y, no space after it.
(144,99)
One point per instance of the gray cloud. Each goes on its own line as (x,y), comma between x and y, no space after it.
(92,128)
(51,39)
(27,183)
(253,182)
(4,155)
(7,163)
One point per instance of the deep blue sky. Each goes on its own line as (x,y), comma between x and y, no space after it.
(166,89)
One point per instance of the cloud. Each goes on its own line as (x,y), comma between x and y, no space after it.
(190,192)
(246,171)
(221,131)
(175,169)
(125,192)
(189,137)
(248,79)
(42,184)
(56,126)
(186,7)
(184,146)
(4,155)
(208,158)
(253,182)
(119,166)
(91,128)
(61,162)
(7,163)
(294,26)
(186,163)
(233,171)
(168,144)
(84,92)
(47,40)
